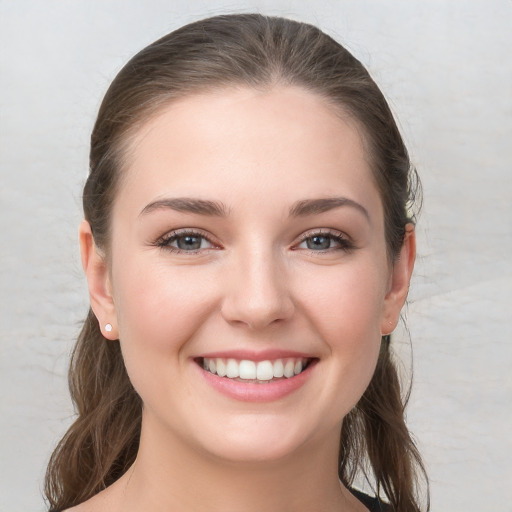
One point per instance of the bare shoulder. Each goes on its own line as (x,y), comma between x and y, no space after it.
(83,507)
(91,505)
(105,501)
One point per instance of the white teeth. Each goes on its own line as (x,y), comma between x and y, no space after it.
(289,369)
(250,370)
(247,369)
(232,370)
(278,368)
(264,370)
(221,367)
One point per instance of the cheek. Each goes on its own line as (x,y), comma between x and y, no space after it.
(159,309)
(346,309)
(348,304)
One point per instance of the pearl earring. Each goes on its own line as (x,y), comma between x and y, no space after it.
(108,327)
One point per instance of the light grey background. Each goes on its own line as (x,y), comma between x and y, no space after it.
(445,66)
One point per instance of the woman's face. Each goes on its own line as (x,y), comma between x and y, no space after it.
(248,238)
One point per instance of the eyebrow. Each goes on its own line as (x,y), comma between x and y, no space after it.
(300,208)
(188,205)
(316,206)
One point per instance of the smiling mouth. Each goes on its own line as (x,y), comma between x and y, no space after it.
(249,371)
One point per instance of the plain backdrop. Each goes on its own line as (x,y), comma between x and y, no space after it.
(446,68)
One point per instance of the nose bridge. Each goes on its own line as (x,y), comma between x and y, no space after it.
(258,293)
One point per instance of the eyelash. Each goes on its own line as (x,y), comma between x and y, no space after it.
(345,244)
(336,236)
(165,241)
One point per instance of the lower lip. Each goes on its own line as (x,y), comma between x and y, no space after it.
(255,392)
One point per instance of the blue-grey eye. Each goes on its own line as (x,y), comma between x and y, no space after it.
(189,242)
(184,241)
(318,242)
(325,242)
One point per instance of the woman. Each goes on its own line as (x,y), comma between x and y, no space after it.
(248,250)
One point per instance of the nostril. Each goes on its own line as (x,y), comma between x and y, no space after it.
(255,299)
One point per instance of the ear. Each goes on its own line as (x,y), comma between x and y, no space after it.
(399,282)
(98,280)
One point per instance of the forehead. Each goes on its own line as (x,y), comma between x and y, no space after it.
(243,143)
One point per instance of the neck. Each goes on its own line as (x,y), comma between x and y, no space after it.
(169,475)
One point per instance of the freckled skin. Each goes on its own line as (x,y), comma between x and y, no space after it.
(253,284)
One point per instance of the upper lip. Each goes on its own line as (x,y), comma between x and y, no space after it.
(255,355)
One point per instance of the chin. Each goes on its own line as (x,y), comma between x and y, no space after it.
(253,452)
(259,440)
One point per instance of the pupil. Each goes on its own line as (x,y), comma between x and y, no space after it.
(318,242)
(189,242)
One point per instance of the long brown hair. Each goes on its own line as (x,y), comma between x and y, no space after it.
(256,51)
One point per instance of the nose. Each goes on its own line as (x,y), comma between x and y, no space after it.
(257,292)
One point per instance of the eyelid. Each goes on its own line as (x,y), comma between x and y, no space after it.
(322,231)
(345,242)
(164,241)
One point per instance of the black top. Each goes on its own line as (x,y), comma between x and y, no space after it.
(371,503)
